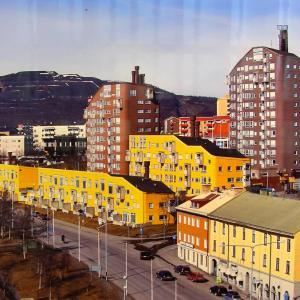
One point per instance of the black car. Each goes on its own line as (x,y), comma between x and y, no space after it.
(165,275)
(146,255)
(182,270)
(232,295)
(218,290)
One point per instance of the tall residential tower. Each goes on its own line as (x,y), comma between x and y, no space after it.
(264,88)
(117,110)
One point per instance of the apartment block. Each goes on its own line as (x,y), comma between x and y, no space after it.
(49,132)
(13,145)
(264,90)
(187,164)
(117,198)
(215,129)
(223,106)
(254,245)
(117,110)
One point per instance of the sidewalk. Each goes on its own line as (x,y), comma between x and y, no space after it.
(169,255)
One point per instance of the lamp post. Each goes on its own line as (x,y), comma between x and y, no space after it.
(99,248)
(12,210)
(126,268)
(53,229)
(106,271)
(79,236)
(151,274)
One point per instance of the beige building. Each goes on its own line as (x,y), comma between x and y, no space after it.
(50,131)
(12,144)
(223,106)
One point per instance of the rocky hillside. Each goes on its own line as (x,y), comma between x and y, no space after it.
(41,97)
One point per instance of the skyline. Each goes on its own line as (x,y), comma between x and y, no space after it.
(106,38)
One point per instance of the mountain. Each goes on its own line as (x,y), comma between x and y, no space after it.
(41,97)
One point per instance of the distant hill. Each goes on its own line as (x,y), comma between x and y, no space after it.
(41,97)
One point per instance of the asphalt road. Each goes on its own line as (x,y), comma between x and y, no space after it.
(139,271)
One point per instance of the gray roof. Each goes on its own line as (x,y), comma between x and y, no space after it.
(268,213)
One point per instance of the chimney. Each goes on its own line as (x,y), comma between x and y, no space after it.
(283,37)
(133,77)
(142,79)
(137,74)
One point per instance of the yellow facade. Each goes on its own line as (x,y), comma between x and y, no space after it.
(183,167)
(223,106)
(98,194)
(275,267)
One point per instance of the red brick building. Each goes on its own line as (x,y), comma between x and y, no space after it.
(117,110)
(264,88)
(215,128)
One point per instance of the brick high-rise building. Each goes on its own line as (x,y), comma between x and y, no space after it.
(117,110)
(264,89)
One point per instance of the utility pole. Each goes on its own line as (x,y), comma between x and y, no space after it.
(53,229)
(106,250)
(151,279)
(126,270)
(79,236)
(98,252)
(12,210)
(47,224)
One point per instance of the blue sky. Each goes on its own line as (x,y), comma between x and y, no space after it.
(185,46)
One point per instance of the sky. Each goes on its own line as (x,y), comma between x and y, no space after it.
(184,46)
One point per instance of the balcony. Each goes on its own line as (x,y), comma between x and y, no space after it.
(174,158)
(139,156)
(127,155)
(161,158)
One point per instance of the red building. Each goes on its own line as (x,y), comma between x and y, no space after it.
(117,110)
(215,128)
(264,88)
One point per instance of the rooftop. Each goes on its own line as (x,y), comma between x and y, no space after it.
(146,185)
(268,213)
(211,201)
(210,147)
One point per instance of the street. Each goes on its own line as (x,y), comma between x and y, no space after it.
(139,271)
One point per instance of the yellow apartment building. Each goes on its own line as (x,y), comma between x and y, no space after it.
(15,181)
(254,244)
(188,164)
(120,199)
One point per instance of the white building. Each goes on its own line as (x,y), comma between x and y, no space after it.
(50,131)
(13,144)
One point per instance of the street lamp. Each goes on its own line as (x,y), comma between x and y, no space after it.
(99,248)
(80,213)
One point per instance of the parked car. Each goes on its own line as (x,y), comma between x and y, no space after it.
(291,191)
(146,255)
(165,275)
(232,295)
(182,270)
(196,277)
(218,290)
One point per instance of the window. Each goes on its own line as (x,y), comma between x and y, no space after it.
(243,254)
(265,260)
(215,226)
(150,218)
(205,225)
(244,234)
(229,168)
(278,242)
(184,219)
(233,251)
(220,169)
(132,93)
(265,239)
(287,267)
(253,236)
(234,231)
(162,217)
(223,248)
(277,264)
(151,205)
(288,245)
(253,257)
(214,245)
(223,228)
